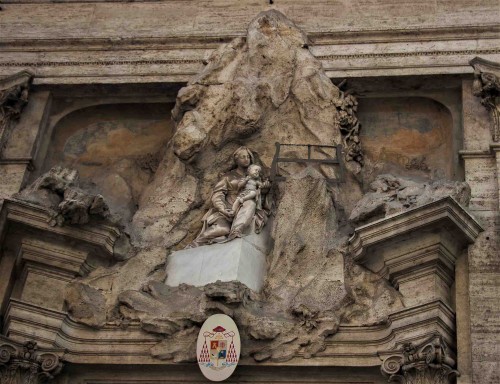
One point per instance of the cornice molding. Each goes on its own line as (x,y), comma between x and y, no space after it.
(116,343)
(35,64)
(318,38)
(101,235)
(447,209)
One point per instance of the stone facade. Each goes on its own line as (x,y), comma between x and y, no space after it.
(383,262)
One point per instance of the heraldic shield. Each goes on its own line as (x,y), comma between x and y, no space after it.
(218,347)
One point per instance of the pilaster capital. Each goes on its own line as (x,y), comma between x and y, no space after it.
(487,86)
(429,362)
(28,363)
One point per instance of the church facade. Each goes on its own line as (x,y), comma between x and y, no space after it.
(327,174)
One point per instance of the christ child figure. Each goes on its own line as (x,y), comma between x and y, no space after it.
(251,184)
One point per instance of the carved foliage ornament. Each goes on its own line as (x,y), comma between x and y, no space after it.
(25,363)
(487,86)
(14,92)
(429,362)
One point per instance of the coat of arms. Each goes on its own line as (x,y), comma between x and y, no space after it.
(218,347)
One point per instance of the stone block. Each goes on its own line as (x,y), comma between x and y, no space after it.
(242,259)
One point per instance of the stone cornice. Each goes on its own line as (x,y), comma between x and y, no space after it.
(443,210)
(101,235)
(211,42)
(177,59)
(416,250)
(116,343)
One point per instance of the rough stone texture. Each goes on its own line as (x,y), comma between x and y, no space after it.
(247,91)
(58,190)
(115,149)
(373,299)
(265,89)
(392,195)
(256,85)
(86,304)
(109,283)
(257,91)
(12,176)
(14,95)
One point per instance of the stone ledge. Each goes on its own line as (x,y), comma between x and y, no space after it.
(446,211)
(352,346)
(101,235)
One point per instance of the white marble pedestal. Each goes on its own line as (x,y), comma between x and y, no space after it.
(242,259)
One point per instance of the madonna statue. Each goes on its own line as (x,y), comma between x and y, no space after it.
(226,220)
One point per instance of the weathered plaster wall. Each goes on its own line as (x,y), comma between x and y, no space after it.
(407,136)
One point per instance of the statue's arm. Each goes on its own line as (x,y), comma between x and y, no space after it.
(219,196)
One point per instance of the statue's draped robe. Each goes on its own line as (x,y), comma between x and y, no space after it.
(216,226)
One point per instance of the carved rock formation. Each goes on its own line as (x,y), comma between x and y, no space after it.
(264,89)
(395,194)
(255,92)
(267,81)
(86,304)
(372,299)
(58,190)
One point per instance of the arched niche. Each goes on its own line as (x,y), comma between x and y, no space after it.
(114,147)
(407,136)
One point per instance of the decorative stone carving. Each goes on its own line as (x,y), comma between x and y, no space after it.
(239,201)
(487,86)
(350,128)
(58,189)
(430,362)
(255,92)
(14,93)
(395,194)
(255,85)
(27,363)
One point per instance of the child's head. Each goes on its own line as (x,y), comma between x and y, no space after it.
(254,170)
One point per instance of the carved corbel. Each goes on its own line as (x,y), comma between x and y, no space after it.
(487,86)
(14,93)
(27,363)
(425,363)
